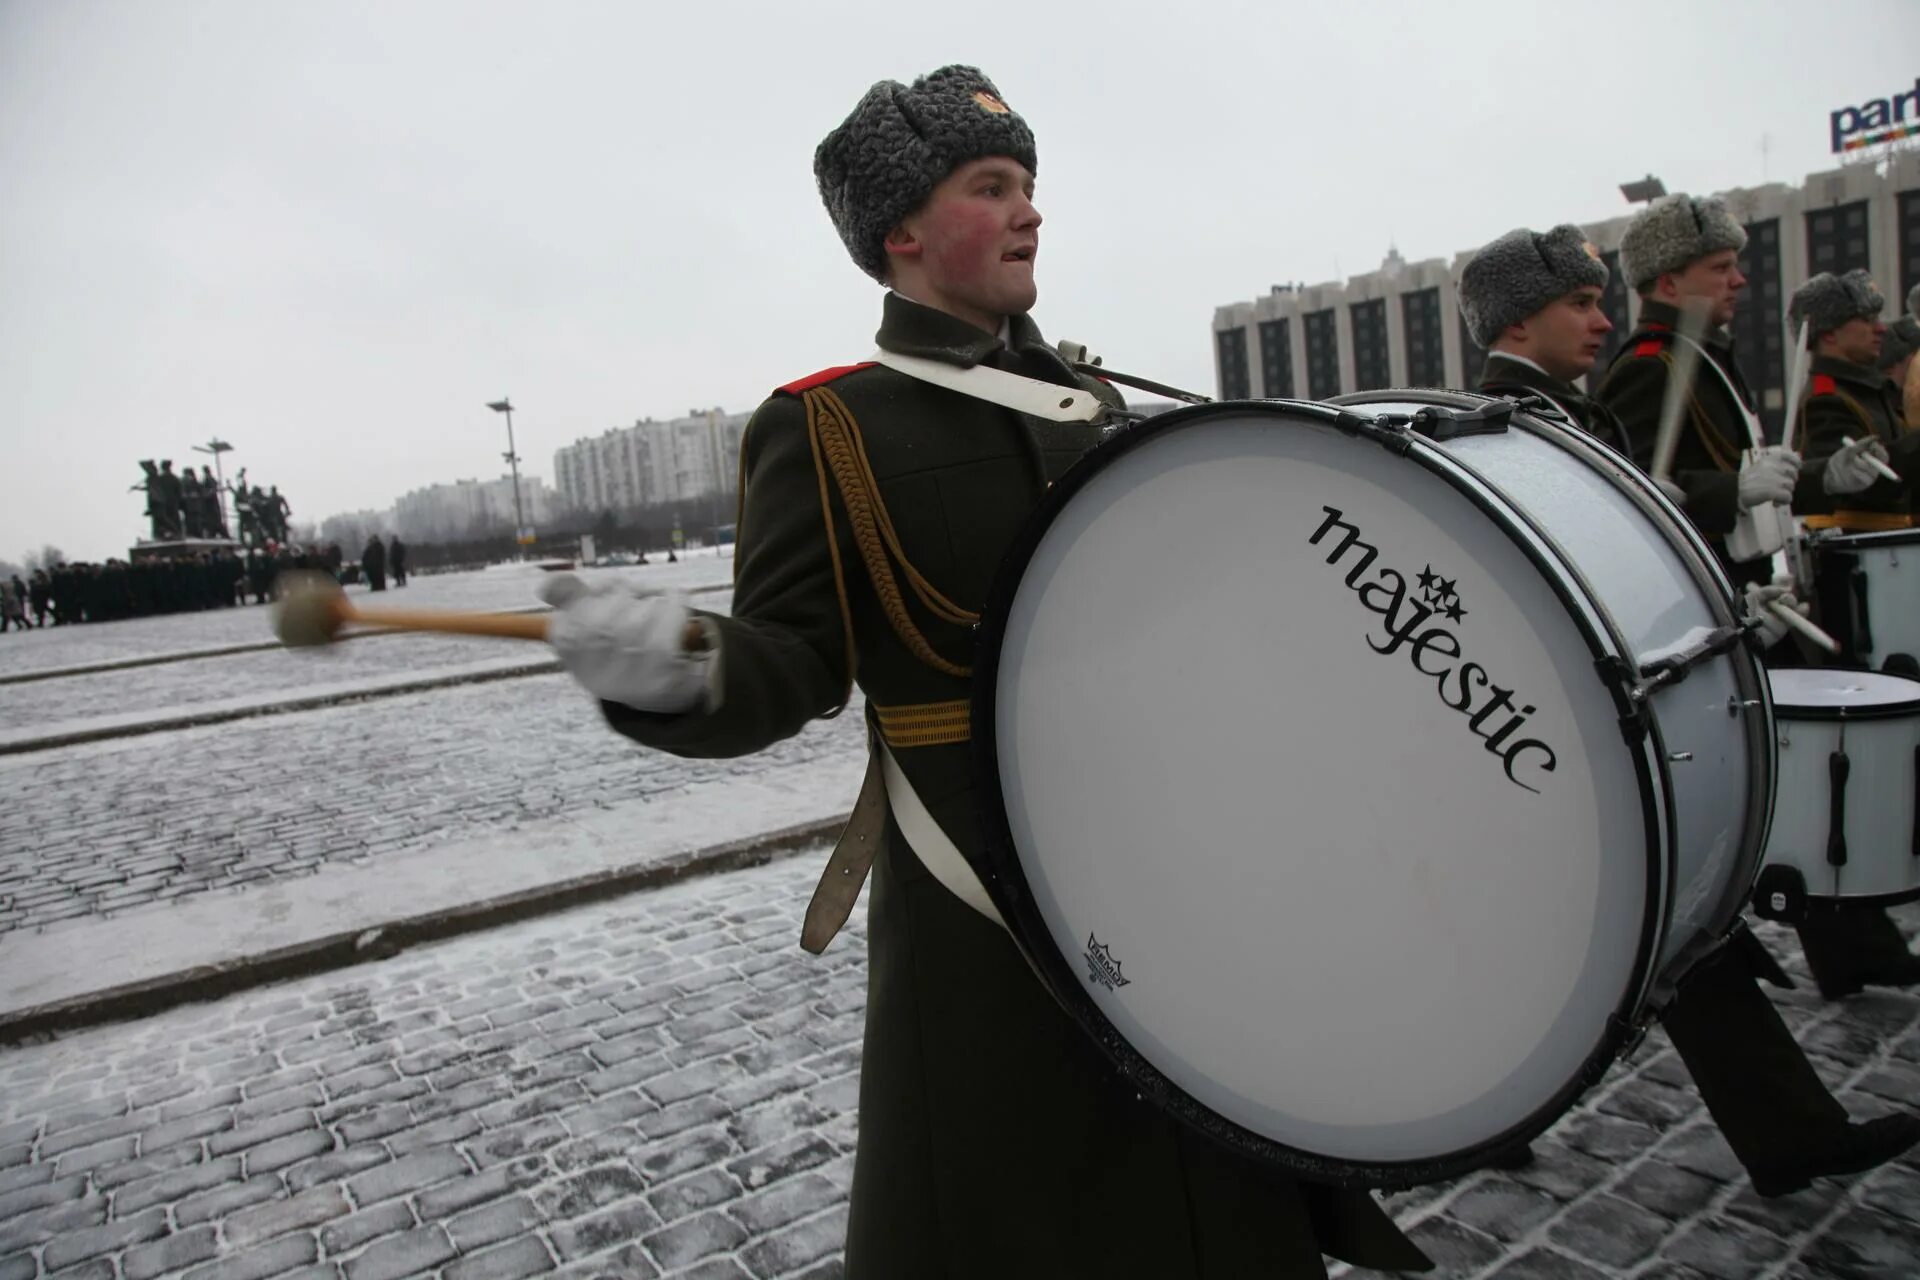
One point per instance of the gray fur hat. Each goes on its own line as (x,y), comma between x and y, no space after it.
(1521,272)
(899,142)
(1827,301)
(1901,340)
(1673,231)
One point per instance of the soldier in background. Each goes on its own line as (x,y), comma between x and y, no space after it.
(1849,398)
(1533,301)
(397,560)
(373,563)
(40,596)
(1685,251)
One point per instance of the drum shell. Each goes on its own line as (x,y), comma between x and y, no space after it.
(1869,590)
(1882,800)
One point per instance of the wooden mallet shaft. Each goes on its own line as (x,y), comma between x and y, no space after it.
(312,609)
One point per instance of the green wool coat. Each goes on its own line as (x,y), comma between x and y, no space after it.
(1850,400)
(995,1140)
(1635,386)
(1502,376)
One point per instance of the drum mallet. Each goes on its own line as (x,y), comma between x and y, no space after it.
(1793,619)
(312,609)
(1886,472)
(1686,356)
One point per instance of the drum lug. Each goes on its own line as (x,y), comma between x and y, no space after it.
(1736,704)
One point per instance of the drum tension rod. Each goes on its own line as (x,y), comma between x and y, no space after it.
(1672,669)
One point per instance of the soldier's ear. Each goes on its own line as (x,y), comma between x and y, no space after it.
(902,242)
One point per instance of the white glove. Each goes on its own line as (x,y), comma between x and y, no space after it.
(1675,494)
(1758,599)
(1768,476)
(625,648)
(1848,470)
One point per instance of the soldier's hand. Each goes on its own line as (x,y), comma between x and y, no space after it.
(1768,476)
(626,648)
(1759,602)
(1849,471)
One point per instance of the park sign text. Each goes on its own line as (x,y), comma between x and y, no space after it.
(1876,121)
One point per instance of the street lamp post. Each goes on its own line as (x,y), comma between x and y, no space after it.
(505,405)
(216,447)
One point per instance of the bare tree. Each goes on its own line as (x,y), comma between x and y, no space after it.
(48,557)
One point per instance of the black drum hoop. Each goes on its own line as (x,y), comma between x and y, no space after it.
(1004,879)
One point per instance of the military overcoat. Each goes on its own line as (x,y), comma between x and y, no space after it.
(994,1140)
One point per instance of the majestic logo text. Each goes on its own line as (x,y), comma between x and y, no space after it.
(1435,651)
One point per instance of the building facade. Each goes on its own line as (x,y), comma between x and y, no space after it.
(1400,326)
(470,509)
(693,459)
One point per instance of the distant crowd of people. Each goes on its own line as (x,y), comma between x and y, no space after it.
(82,591)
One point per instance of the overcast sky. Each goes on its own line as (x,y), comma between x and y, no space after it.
(330,232)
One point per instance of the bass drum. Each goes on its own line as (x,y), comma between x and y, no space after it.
(1359,777)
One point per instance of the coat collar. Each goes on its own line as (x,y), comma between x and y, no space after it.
(914,329)
(1664,315)
(1863,376)
(1504,370)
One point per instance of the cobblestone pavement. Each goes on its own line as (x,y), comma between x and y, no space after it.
(113,825)
(502,587)
(662,1085)
(666,1085)
(187,685)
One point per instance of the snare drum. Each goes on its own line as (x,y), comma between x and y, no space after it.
(1846,813)
(1358,775)
(1868,586)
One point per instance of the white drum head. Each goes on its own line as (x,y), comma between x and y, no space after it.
(1821,692)
(1293,879)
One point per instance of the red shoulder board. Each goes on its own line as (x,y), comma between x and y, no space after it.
(1824,385)
(823,377)
(1650,347)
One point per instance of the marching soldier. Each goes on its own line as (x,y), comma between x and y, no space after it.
(1533,300)
(1897,348)
(1680,251)
(1849,398)
(994,1138)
